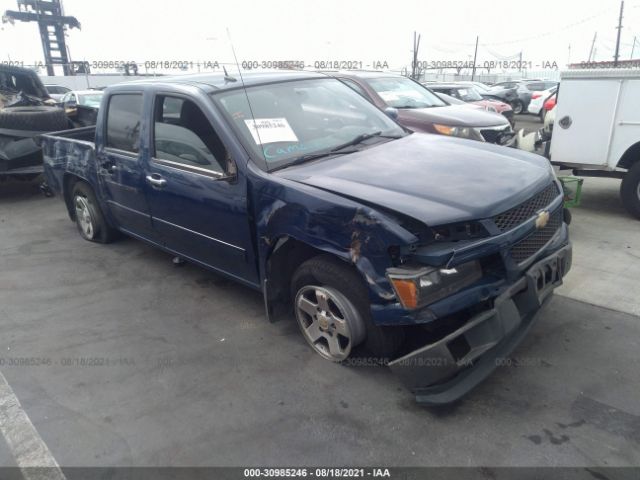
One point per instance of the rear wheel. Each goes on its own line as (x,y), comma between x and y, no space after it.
(517,107)
(89,218)
(332,309)
(630,190)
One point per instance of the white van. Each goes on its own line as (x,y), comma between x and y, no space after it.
(597,128)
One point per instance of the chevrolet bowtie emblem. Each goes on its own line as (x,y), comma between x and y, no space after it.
(542,219)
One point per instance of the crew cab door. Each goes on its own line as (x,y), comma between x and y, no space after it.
(198,202)
(120,170)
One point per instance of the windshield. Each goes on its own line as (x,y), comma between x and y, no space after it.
(401,92)
(481,87)
(304,117)
(469,94)
(91,100)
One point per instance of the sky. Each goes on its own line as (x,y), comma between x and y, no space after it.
(327,30)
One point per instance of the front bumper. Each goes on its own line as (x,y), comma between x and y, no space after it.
(446,370)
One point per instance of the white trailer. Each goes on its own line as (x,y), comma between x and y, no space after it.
(597,128)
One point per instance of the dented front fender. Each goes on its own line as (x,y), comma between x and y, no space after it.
(329,223)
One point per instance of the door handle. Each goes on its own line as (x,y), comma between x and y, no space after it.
(110,167)
(156,180)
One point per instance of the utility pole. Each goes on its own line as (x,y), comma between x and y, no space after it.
(615,58)
(633,47)
(520,62)
(475,57)
(414,63)
(593,42)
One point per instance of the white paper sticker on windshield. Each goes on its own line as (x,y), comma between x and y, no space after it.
(270,130)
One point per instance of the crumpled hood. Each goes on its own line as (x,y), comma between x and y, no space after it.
(432,178)
(454,115)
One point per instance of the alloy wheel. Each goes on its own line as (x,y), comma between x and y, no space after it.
(329,321)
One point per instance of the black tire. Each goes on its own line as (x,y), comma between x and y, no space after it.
(630,190)
(101,231)
(36,118)
(517,107)
(327,271)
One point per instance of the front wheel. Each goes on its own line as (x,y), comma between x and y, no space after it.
(332,308)
(89,218)
(630,190)
(329,322)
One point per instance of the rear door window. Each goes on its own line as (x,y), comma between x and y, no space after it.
(124,117)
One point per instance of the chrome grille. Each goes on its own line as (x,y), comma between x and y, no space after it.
(532,244)
(523,212)
(497,135)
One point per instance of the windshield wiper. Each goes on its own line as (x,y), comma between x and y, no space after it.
(362,137)
(339,150)
(312,156)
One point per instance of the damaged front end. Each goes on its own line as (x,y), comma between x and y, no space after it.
(445,370)
(468,301)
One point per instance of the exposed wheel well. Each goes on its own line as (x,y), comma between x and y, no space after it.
(287,256)
(631,156)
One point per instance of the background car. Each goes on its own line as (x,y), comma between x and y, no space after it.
(57,91)
(419,109)
(456,101)
(517,93)
(87,98)
(549,105)
(481,87)
(538,99)
(469,94)
(81,106)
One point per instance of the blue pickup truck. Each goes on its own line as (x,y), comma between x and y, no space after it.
(430,253)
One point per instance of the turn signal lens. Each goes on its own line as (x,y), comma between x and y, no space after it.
(407,292)
(444,129)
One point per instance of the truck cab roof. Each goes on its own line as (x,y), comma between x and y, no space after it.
(214,82)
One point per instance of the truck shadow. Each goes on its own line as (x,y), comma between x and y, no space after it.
(19,189)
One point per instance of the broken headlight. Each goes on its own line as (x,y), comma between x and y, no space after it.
(421,286)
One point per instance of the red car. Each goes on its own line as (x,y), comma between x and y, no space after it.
(550,103)
(469,94)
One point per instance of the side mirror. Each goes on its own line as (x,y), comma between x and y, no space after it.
(391,112)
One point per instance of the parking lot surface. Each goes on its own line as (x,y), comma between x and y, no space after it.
(134,361)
